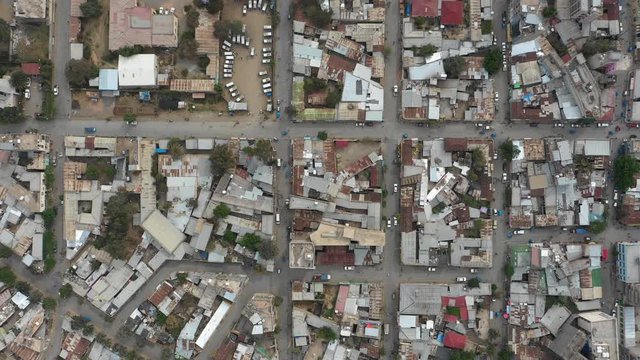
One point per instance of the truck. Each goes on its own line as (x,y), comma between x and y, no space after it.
(580,231)
(321,277)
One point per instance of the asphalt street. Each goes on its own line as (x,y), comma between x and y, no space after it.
(390,272)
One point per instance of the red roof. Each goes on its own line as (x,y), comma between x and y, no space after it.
(341,301)
(32,69)
(458,302)
(425,8)
(452,13)
(454,340)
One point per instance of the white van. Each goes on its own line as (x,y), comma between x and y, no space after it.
(264,6)
(253,51)
(230,62)
(266,91)
(228,53)
(244,28)
(266,80)
(226,43)
(259,4)
(227,71)
(230,85)
(267,34)
(278,216)
(247,42)
(233,89)
(242,40)
(250,4)
(262,73)
(225,48)
(266,86)
(267,27)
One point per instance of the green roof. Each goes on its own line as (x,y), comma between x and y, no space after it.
(596,277)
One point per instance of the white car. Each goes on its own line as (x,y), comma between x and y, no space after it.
(461,279)
(395,89)
(504,46)
(395,188)
(244,9)
(395,221)
(27,94)
(504,177)
(518,232)
(603,124)
(473,271)
(495,155)
(55,90)
(558,124)
(349,268)
(431,269)
(497,96)
(389,223)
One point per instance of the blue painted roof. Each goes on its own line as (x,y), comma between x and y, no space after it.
(108,80)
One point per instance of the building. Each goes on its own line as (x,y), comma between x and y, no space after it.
(628,262)
(8,94)
(163,231)
(30,10)
(138,71)
(130,25)
(108,82)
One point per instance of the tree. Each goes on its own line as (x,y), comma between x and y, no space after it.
(486,26)
(462,355)
(87,330)
(314,84)
(79,72)
(5,32)
(473,282)
(419,22)
(175,148)
(188,46)
(91,9)
(322,135)
(49,303)
(597,227)
(49,215)
(174,325)
(19,80)
(453,66)
(624,169)
(262,149)
(222,160)
(509,270)
(161,318)
(119,211)
(508,150)
(23,287)
(426,50)
(5,252)
(319,18)
(549,12)
(250,241)
(277,301)
(193,17)
(268,249)
(7,276)
(79,322)
(225,28)
(129,118)
(11,115)
(128,51)
(327,334)
(214,6)
(493,60)
(65,291)
(505,354)
(229,237)
(333,98)
(595,46)
(182,278)
(221,211)
(478,159)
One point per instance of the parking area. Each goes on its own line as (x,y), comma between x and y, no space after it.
(245,67)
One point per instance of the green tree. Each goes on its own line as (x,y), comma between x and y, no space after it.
(509,270)
(79,322)
(221,211)
(473,282)
(188,46)
(129,118)
(549,12)
(318,17)
(49,303)
(597,227)
(454,66)
(314,84)
(23,287)
(182,278)
(250,241)
(192,18)
(268,249)
(87,330)
(119,211)
(161,318)
(222,160)
(79,72)
(493,60)
(11,115)
(327,334)
(462,355)
(505,354)
(624,169)
(65,291)
(419,22)
(19,80)
(333,98)
(7,276)
(176,149)
(49,215)
(508,150)
(426,50)
(5,32)
(322,135)
(486,26)
(91,9)
(129,51)
(214,6)
(595,46)
(174,325)
(5,252)
(262,149)
(224,28)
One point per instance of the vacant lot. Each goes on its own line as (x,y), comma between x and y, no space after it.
(246,68)
(95,33)
(31,42)
(355,151)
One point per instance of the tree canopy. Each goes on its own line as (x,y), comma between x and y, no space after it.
(268,249)
(222,160)
(176,149)
(327,334)
(426,50)
(221,211)
(11,115)
(79,72)
(5,31)
(453,66)
(19,80)
(624,169)
(508,150)
(7,276)
(225,28)
(262,149)
(492,60)
(322,135)
(91,9)
(549,12)
(250,241)
(462,355)
(314,12)
(119,212)
(473,282)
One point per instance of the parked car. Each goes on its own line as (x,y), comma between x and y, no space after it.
(473,271)
(27,94)
(432,269)
(55,90)
(395,188)
(395,221)
(349,268)
(519,232)
(244,9)
(461,279)
(395,89)
(389,223)
(504,177)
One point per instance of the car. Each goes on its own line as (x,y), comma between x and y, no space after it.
(497,96)
(244,9)
(558,124)
(395,221)
(395,188)
(27,94)
(432,269)
(59,154)
(487,127)
(587,238)
(574,125)
(461,279)
(495,224)
(504,177)
(602,124)
(565,228)
(504,46)
(55,90)
(395,89)
(389,223)
(495,212)
(615,204)
(349,268)
(286,201)
(518,232)
(495,155)
(278,269)
(473,271)
(478,124)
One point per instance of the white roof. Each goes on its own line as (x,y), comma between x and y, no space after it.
(161,229)
(524,48)
(21,300)
(213,324)
(427,71)
(138,71)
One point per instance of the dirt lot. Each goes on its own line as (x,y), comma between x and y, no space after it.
(246,68)
(95,32)
(6,10)
(355,151)
(84,107)
(32,42)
